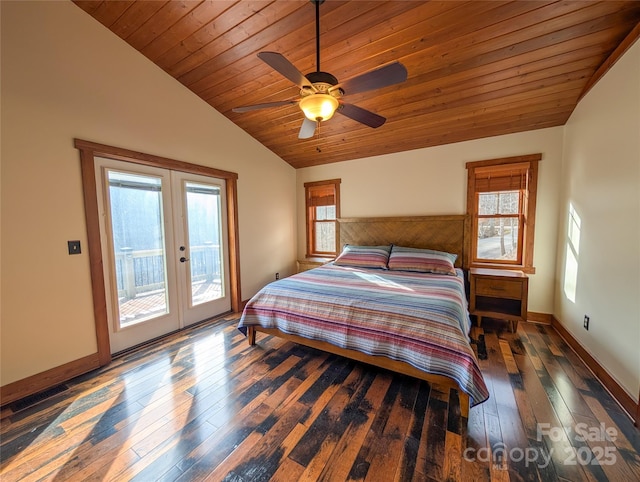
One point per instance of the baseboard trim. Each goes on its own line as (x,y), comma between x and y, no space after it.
(541,318)
(623,398)
(47,379)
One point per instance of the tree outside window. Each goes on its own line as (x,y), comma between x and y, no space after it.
(499,226)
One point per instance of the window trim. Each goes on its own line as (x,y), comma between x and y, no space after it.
(528,211)
(309,222)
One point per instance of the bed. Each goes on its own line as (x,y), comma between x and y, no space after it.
(395,317)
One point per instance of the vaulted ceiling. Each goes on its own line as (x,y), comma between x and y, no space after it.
(475,69)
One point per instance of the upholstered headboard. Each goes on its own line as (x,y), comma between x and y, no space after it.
(443,233)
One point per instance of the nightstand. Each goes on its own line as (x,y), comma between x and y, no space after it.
(499,293)
(310,263)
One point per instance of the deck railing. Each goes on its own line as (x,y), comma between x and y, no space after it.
(142,271)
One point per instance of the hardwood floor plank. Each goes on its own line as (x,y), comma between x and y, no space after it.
(407,466)
(204,466)
(325,387)
(204,405)
(308,375)
(455,421)
(362,464)
(211,403)
(97,386)
(594,387)
(259,455)
(337,416)
(513,439)
(327,416)
(541,457)
(86,461)
(520,428)
(343,458)
(596,450)
(561,381)
(353,415)
(475,467)
(452,463)
(295,369)
(432,447)
(384,460)
(498,463)
(198,465)
(289,470)
(214,450)
(486,366)
(168,452)
(550,430)
(603,416)
(472,471)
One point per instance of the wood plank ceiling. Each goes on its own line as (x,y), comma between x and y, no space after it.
(475,69)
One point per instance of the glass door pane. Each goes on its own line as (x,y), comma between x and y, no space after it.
(206,282)
(202,239)
(137,227)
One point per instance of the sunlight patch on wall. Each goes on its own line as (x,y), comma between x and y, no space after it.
(573,249)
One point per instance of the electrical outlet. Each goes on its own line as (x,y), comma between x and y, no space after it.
(586,322)
(277,276)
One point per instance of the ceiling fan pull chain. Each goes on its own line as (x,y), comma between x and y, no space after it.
(318,137)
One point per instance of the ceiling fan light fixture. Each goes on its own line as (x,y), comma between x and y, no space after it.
(320,91)
(319,107)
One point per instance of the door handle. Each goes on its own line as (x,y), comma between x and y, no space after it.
(183,259)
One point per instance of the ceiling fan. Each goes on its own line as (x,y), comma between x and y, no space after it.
(321,93)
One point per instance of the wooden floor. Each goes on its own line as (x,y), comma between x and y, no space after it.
(203,405)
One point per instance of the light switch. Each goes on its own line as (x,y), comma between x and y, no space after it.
(74,247)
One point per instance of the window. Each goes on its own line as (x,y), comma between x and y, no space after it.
(323,210)
(501,202)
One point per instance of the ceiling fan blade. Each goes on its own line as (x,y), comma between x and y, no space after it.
(361,115)
(248,108)
(375,79)
(280,64)
(307,129)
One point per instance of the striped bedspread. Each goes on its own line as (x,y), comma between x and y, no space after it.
(417,318)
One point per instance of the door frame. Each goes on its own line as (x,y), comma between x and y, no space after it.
(90,150)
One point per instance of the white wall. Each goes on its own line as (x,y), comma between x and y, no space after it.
(601,179)
(65,76)
(434,181)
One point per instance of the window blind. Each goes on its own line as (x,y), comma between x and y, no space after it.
(322,196)
(503,177)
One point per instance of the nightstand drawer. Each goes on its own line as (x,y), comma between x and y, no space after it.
(498,288)
(498,294)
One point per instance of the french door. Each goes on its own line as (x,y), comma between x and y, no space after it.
(164,241)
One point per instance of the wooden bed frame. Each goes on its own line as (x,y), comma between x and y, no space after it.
(443,233)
